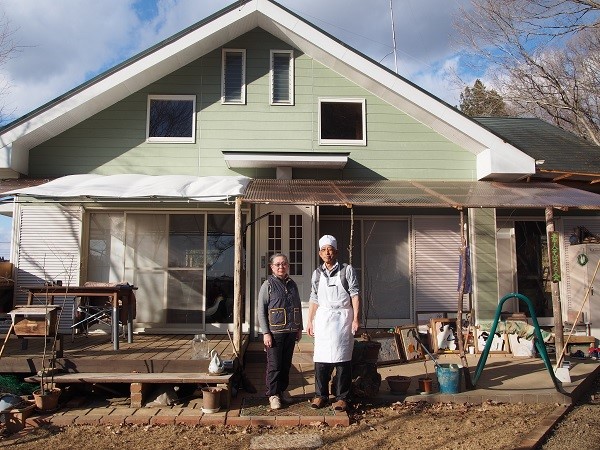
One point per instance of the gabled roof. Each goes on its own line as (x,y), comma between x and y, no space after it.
(558,153)
(496,159)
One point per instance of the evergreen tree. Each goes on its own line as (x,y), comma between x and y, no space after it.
(481,102)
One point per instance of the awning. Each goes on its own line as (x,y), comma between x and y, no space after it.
(427,194)
(131,186)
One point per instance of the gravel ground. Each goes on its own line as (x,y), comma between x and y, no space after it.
(580,428)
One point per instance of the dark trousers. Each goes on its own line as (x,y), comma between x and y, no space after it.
(342,382)
(279,362)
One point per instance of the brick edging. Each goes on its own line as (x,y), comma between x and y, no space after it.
(535,437)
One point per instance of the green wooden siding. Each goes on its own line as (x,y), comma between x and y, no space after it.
(482,222)
(114,140)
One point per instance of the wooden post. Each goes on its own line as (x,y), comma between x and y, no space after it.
(556,306)
(237,279)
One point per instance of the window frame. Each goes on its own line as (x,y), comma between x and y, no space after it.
(359,142)
(290,100)
(242,100)
(171,139)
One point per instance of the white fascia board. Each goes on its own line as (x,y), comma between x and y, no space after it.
(240,160)
(504,165)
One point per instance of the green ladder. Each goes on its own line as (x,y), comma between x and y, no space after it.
(539,340)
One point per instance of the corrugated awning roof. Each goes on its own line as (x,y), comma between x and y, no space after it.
(428,194)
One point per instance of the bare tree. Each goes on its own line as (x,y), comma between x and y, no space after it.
(544,57)
(7,51)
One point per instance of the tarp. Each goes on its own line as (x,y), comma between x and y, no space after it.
(129,186)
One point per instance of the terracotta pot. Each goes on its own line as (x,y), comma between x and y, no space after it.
(426,385)
(398,384)
(48,401)
(211,399)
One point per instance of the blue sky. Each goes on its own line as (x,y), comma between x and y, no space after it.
(64,43)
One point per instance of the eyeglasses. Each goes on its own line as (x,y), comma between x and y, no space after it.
(283,264)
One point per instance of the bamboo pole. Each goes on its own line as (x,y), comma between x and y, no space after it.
(459,312)
(556,306)
(237,277)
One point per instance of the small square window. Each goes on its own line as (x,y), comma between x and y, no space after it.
(282,77)
(233,83)
(171,118)
(342,122)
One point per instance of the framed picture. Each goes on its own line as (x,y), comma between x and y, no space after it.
(411,348)
(390,350)
(499,341)
(444,336)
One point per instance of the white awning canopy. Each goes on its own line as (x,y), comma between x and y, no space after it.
(130,186)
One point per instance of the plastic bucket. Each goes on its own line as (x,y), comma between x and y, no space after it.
(448,376)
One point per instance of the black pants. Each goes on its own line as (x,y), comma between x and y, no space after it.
(279,362)
(342,382)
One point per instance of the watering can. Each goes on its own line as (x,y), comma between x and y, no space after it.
(216,365)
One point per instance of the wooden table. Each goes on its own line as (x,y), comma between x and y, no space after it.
(116,293)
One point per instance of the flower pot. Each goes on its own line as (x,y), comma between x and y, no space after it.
(398,384)
(426,385)
(211,399)
(48,401)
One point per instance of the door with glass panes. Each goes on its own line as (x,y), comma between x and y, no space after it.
(288,230)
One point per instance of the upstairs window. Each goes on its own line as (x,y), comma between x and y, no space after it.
(171,118)
(342,122)
(282,77)
(233,83)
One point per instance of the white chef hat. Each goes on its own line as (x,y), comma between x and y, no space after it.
(327,240)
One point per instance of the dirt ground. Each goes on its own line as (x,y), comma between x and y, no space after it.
(395,425)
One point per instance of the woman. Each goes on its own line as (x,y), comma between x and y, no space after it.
(280,320)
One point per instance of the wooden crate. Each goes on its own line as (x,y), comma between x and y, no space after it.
(35,321)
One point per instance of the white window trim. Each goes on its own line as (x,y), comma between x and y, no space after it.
(361,142)
(224,52)
(290,53)
(186,139)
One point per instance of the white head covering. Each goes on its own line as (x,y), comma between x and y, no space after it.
(327,240)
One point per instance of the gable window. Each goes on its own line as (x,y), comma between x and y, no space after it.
(282,77)
(171,118)
(342,122)
(233,83)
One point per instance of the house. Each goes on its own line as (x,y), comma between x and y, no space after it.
(252,132)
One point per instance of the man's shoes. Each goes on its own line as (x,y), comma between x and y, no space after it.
(286,397)
(317,402)
(340,405)
(274,402)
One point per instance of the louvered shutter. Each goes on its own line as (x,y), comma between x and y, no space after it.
(48,249)
(436,260)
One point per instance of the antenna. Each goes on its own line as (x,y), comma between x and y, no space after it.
(393,37)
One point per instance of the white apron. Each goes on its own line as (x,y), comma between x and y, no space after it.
(334,340)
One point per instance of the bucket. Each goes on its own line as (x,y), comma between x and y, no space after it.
(448,376)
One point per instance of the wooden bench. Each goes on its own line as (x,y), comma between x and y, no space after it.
(590,341)
(141,382)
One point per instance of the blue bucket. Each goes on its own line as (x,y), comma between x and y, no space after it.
(448,376)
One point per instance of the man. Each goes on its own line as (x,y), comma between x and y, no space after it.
(280,319)
(332,320)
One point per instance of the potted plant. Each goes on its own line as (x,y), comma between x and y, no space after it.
(46,397)
(398,384)
(426,382)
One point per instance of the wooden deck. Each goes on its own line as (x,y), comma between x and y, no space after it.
(148,353)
